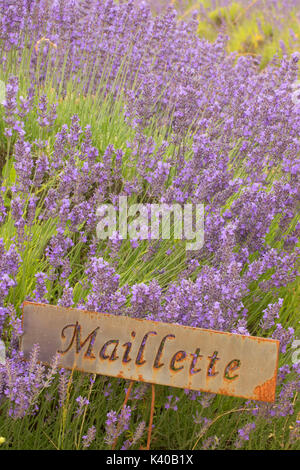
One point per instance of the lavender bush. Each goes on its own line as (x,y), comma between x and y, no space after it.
(258,27)
(104,100)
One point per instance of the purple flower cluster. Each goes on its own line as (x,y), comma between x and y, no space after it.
(228,138)
(89,437)
(244,434)
(21,383)
(116,424)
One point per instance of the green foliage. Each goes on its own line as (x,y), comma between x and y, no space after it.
(60,428)
(252,29)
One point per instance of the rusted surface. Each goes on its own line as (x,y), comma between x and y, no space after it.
(266,391)
(153,352)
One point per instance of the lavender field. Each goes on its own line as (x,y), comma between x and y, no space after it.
(170,102)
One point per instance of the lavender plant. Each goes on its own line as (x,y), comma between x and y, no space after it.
(104,100)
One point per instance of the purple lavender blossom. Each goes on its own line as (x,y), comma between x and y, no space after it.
(89,437)
(116,424)
(284,336)
(171,403)
(270,313)
(244,434)
(228,137)
(82,402)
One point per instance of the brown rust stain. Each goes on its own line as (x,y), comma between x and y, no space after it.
(93,314)
(266,391)
(224,391)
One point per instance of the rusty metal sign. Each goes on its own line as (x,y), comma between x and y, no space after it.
(154,352)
